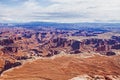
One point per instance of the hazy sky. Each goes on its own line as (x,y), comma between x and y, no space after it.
(60,10)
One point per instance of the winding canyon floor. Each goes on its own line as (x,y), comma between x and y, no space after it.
(67,67)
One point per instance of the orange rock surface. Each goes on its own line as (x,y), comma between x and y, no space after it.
(64,68)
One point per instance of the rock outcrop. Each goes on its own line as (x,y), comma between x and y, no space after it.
(6,41)
(97,45)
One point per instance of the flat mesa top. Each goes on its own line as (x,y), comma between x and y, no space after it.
(107,35)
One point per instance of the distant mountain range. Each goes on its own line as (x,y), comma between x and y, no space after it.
(63,25)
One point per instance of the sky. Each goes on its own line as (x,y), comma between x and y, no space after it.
(64,11)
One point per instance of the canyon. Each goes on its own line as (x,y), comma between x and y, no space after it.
(55,54)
